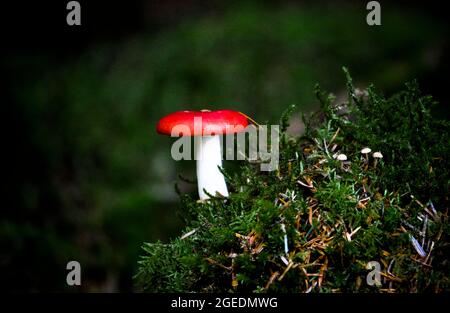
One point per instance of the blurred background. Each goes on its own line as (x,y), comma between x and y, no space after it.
(88,178)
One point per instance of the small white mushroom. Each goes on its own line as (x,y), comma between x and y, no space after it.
(376,155)
(366,152)
(341,157)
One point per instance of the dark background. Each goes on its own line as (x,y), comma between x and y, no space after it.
(88,179)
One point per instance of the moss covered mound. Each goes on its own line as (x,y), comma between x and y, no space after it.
(317,223)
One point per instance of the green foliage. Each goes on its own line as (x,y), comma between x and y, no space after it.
(336,215)
(174,258)
(413,142)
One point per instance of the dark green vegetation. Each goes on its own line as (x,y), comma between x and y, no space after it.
(337,215)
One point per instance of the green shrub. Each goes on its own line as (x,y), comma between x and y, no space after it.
(337,215)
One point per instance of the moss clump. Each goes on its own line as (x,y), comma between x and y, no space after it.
(337,216)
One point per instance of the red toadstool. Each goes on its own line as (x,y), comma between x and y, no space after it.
(207,126)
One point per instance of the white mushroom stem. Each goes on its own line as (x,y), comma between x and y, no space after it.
(375,163)
(377,155)
(208,154)
(366,152)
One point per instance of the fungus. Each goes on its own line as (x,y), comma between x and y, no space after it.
(207,126)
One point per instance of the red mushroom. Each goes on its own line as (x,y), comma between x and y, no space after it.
(207,127)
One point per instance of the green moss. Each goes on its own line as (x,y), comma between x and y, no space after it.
(352,212)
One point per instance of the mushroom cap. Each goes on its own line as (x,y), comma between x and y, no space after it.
(366,150)
(341,157)
(212,122)
(377,155)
